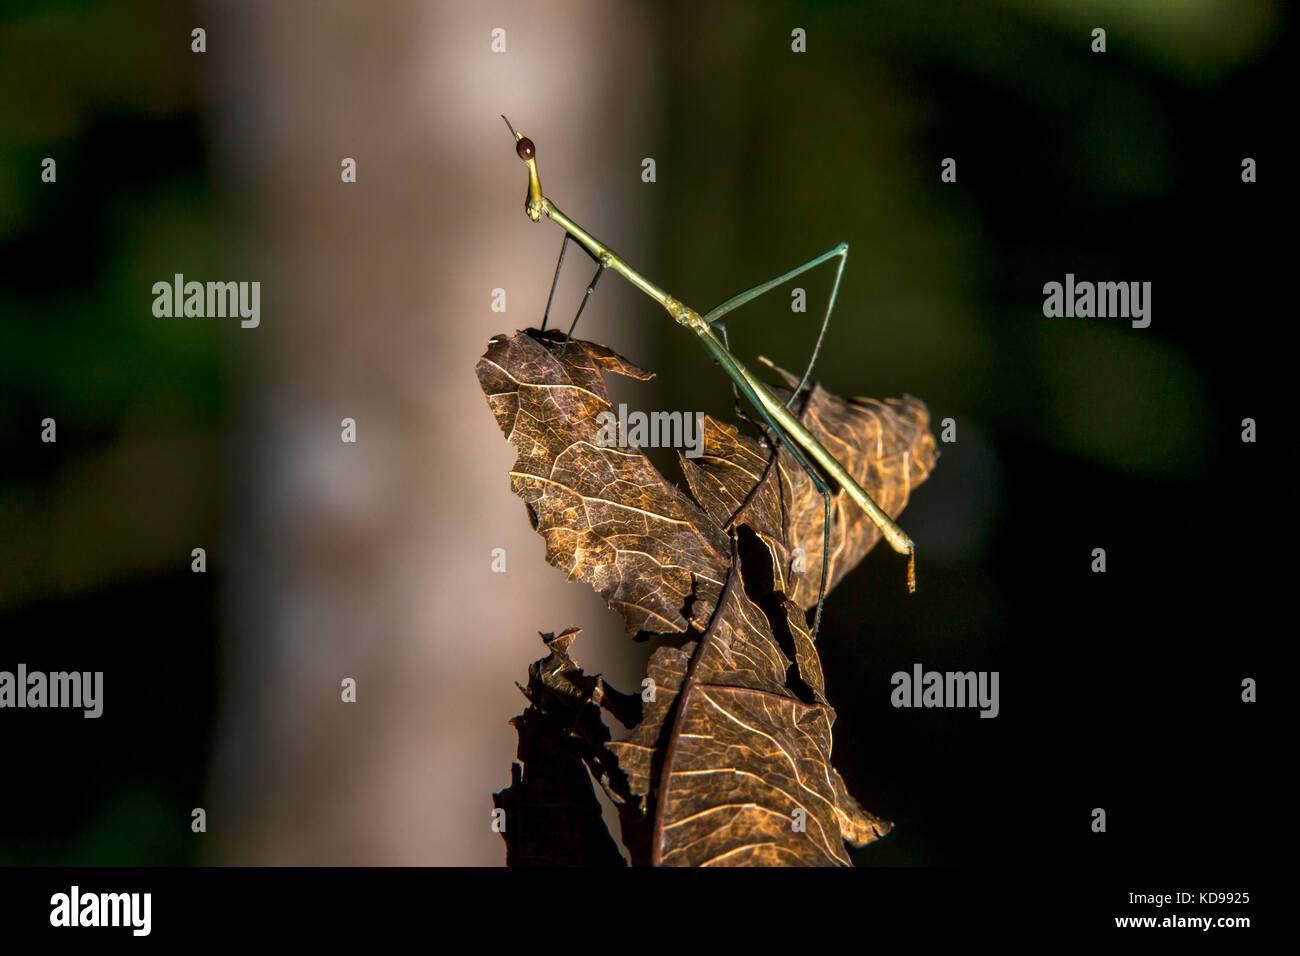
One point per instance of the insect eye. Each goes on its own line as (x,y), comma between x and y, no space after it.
(525,148)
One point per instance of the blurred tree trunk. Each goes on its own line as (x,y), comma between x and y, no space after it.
(373,560)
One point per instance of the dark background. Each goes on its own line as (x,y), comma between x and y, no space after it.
(1119,690)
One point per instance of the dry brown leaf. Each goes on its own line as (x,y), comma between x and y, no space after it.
(729,762)
(609,518)
(656,556)
(743,776)
(552,815)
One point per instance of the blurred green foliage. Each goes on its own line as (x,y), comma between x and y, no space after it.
(104,89)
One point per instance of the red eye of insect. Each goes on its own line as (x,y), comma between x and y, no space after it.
(525,148)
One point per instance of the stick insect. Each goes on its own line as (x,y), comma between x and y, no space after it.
(712,334)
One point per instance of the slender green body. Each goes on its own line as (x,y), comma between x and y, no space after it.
(897,539)
(537,205)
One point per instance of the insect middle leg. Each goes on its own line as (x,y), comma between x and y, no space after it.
(735,391)
(825,491)
(773,428)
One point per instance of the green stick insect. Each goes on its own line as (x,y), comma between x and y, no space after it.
(713,335)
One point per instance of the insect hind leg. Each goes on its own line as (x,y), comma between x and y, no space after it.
(842,253)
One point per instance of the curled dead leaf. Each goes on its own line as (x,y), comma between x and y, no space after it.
(728,761)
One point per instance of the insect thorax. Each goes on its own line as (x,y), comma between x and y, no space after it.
(685,315)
